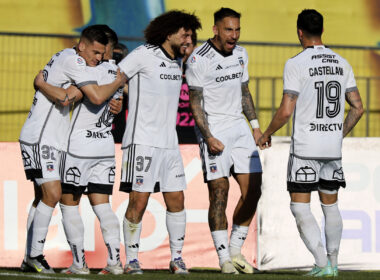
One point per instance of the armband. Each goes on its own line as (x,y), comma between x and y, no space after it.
(254,123)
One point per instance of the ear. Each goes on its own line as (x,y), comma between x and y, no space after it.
(215,30)
(81,46)
(299,33)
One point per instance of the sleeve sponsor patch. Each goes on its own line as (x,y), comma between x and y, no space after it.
(80,61)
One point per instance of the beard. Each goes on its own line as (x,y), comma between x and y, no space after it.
(177,51)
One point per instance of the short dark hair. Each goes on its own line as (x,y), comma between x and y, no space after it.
(94,33)
(169,23)
(111,35)
(225,12)
(311,22)
(122,47)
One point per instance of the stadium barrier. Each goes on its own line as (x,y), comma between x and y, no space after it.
(273,241)
(22,55)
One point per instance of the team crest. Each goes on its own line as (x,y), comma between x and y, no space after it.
(139,180)
(241,61)
(193,60)
(213,168)
(49,166)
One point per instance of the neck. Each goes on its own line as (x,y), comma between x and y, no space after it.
(168,48)
(311,42)
(216,43)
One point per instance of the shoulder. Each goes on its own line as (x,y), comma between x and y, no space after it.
(72,59)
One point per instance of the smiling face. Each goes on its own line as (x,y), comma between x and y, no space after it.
(91,52)
(180,41)
(227,33)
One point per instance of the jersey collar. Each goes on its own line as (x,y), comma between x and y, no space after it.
(166,54)
(217,50)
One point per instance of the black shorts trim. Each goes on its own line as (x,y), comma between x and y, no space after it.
(99,188)
(127,187)
(331,185)
(32,174)
(307,188)
(72,189)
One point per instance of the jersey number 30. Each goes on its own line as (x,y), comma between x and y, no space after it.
(332,90)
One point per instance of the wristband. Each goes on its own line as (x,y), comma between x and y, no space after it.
(254,123)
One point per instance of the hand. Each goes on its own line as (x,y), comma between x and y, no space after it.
(257,135)
(38,80)
(214,145)
(116,105)
(265,141)
(121,78)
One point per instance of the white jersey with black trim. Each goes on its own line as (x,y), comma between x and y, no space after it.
(47,120)
(219,77)
(90,129)
(153,88)
(320,78)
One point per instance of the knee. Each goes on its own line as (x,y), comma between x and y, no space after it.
(135,211)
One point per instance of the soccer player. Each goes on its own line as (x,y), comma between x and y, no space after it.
(151,158)
(316,83)
(45,129)
(88,165)
(217,73)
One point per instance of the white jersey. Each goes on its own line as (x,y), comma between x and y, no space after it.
(154,86)
(90,129)
(47,120)
(320,78)
(220,77)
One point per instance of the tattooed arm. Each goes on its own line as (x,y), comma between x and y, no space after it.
(61,96)
(281,117)
(249,109)
(196,96)
(355,112)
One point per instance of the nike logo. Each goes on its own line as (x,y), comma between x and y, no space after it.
(241,266)
(38,269)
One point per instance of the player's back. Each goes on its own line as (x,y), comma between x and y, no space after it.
(153,92)
(320,78)
(46,120)
(90,129)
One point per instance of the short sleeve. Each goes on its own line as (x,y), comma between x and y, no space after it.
(245,78)
(131,64)
(195,71)
(351,82)
(292,81)
(75,68)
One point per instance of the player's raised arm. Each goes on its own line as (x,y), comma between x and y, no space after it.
(59,95)
(355,112)
(99,94)
(196,97)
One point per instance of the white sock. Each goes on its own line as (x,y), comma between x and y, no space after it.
(220,238)
(74,230)
(333,231)
(110,230)
(176,225)
(41,222)
(309,231)
(238,236)
(29,231)
(132,234)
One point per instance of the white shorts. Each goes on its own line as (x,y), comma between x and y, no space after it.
(41,162)
(306,175)
(150,169)
(239,156)
(91,175)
